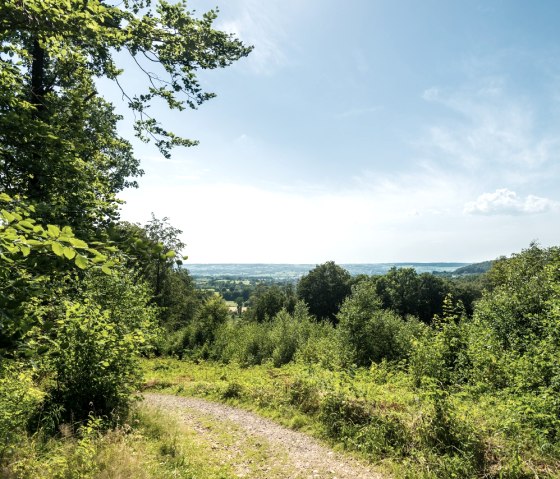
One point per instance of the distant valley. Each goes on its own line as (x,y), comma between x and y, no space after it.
(292,272)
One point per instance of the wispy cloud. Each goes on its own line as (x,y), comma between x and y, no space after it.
(506,202)
(352,112)
(260,24)
(488,128)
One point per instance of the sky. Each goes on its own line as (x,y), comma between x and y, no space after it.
(366,131)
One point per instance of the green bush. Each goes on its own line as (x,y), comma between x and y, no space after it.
(280,339)
(290,333)
(361,426)
(90,350)
(19,400)
(305,395)
(440,354)
(370,334)
(244,342)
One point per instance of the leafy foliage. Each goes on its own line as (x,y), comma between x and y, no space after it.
(91,349)
(19,399)
(58,137)
(369,333)
(33,259)
(267,301)
(324,289)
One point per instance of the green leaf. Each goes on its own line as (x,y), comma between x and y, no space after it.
(33,242)
(81,261)
(26,224)
(9,217)
(106,269)
(57,248)
(77,243)
(54,231)
(69,252)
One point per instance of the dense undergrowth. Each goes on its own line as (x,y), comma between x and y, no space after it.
(378,413)
(470,396)
(465,395)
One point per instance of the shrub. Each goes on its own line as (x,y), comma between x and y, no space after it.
(440,353)
(452,445)
(91,348)
(370,334)
(289,333)
(305,395)
(19,400)
(360,426)
(281,339)
(245,342)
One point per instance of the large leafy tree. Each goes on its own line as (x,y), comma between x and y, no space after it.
(59,144)
(267,301)
(324,289)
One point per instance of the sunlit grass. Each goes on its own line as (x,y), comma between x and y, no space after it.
(492,439)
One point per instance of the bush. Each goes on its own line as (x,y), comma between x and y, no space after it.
(91,349)
(280,340)
(370,334)
(360,426)
(440,354)
(290,333)
(452,445)
(244,342)
(19,400)
(305,395)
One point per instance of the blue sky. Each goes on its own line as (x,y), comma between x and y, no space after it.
(367,131)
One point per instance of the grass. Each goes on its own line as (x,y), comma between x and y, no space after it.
(154,445)
(376,413)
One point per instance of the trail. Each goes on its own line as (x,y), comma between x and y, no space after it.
(256,447)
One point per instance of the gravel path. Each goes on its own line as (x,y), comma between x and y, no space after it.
(294,454)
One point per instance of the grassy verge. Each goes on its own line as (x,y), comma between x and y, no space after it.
(151,446)
(378,414)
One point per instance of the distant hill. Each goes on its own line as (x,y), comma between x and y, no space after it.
(475,268)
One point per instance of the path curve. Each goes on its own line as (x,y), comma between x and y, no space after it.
(306,456)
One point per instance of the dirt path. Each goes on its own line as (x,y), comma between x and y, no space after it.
(257,447)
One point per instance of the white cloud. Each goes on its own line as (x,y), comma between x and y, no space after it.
(507,202)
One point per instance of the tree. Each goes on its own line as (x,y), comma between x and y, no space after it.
(518,304)
(267,301)
(25,246)
(324,289)
(58,139)
(398,290)
(167,245)
(154,250)
(407,293)
(369,333)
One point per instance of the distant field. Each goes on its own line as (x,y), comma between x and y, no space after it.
(295,271)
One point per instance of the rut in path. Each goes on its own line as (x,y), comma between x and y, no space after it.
(289,454)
